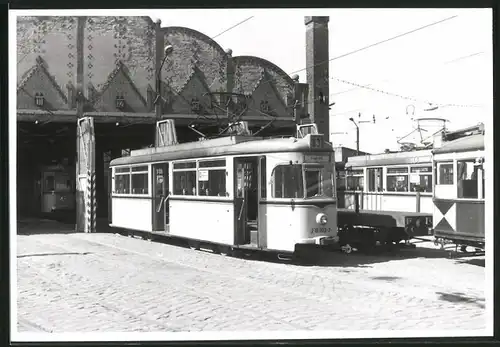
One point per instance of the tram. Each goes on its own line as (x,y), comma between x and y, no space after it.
(386,198)
(57,191)
(230,193)
(459,192)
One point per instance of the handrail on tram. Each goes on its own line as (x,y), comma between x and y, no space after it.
(164,199)
(241,209)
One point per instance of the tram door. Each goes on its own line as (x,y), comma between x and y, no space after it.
(246,200)
(160,197)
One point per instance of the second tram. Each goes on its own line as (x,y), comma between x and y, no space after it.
(386,198)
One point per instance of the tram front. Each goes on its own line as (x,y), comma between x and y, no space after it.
(303,209)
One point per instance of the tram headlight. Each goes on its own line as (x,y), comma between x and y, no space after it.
(321,218)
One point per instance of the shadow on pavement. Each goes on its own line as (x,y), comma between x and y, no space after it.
(475,261)
(43,226)
(37,226)
(49,254)
(461,298)
(324,257)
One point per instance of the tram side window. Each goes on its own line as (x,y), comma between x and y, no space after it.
(287,182)
(375,183)
(212,182)
(62,182)
(397,179)
(421,179)
(185,182)
(355,180)
(445,172)
(467,179)
(140,180)
(122,180)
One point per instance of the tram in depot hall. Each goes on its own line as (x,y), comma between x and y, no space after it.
(231,193)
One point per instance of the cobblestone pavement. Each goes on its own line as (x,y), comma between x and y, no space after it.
(108,282)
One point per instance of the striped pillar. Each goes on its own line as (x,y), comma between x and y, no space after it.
(88,204)
(94,203)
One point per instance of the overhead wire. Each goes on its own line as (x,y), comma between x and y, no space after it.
(395,78)
(232,27)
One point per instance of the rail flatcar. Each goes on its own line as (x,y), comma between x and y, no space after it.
(386,198)
(230,193)
(459,192)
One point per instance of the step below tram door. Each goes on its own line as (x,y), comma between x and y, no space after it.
(246,201)
(160,198)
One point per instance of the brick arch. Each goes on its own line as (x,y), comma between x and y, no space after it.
(192,48)
(249,71)
(195,34)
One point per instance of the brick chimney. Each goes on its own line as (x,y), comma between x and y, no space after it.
(317,72)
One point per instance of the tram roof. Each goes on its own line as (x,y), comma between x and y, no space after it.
(463,144)
(398,158)
(231,145)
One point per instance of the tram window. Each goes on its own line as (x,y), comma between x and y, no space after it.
(62,182)
(185,165)
(213,183)
(287,182)
(185,182)
(445,172)
(467,179)
(397,179)
(49,183)
(319,182)
(122,184)
(423,177)
(375,183)
(355,180)
(139,169)
(263,185)
(213,163)
(482,168)
(140,183)
(122,169)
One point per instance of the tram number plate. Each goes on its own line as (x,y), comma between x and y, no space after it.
(320,230)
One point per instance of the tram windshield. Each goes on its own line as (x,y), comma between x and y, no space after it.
(299,181)
(319,181)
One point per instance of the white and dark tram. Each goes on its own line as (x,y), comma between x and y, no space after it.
(229,193)
(459,193)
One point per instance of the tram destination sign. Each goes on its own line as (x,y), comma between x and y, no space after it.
(203,175)
(317,158)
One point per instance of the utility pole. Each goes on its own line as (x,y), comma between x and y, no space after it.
(357,135)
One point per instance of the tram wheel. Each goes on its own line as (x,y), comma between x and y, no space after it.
(347,249)
(224,251)
(194,245)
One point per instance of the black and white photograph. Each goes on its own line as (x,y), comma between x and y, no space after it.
(250,174)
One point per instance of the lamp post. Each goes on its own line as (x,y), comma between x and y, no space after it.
(357,135)
(158,102)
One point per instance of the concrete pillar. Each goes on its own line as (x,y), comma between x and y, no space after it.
(85,147)
(79,103)
(318,76)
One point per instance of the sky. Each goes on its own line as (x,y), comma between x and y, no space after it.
(446,63)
